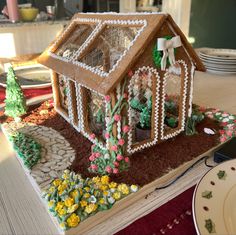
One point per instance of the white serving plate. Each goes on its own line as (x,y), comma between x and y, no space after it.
(218,54)
(36,76)
(214,201)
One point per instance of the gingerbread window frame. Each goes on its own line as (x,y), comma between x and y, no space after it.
(183,99)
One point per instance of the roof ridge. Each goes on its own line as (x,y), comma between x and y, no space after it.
(122,13)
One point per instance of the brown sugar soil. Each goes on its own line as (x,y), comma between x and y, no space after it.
(147,165)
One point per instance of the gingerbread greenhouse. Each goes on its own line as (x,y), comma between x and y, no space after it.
(124,81)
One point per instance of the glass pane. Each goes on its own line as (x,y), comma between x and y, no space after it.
(96,114)
(141,105)
(75,39)
(172,98)
(63,93)
(109,47)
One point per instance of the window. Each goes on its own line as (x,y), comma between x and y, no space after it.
(109,47)
(143,100)
(174,99)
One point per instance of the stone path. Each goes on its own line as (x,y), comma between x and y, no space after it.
(56,154)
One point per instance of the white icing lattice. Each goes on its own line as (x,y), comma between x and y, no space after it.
(165,137)
(152,71)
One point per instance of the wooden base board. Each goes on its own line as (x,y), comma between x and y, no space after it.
(98,219)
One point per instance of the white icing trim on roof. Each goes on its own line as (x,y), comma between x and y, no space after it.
(112,22)
(123,13)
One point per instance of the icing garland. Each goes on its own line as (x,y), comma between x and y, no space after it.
(165,137)
(130,136)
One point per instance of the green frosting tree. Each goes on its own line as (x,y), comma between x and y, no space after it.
(15,103)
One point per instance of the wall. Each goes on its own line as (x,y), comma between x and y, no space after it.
(27,38)
(212,23)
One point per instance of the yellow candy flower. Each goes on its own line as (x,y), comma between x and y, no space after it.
(62,187)
(96,179)
(105,193)
(112,185)
(51,189)
(87,189)
(81,192)
(91,208)
(73,220)
(51,203)
(102,201)
(63,226)
(62,211)
(105,179)
(117,195)
(83,203)
(57,182)
(104,187)
(123,188)
(73,208)
(65,176)
(74,194)
(69,201)
(59,206)
(86,195)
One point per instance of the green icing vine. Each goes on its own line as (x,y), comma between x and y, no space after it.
(196,117)
(15,100)
(113,161)
(27,149)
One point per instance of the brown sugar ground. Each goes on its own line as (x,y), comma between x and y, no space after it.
(147,165)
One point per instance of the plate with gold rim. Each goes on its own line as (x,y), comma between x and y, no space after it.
(214,207)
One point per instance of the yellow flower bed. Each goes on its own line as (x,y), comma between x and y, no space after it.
(72,199)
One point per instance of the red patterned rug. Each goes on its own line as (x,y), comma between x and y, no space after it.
(174,217)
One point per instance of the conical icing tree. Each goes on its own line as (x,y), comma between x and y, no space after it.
(15,103)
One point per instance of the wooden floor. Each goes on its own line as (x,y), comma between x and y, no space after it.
(22,212)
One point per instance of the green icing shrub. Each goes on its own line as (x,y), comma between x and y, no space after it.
(27,149)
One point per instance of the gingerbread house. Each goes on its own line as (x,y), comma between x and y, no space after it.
(124,81)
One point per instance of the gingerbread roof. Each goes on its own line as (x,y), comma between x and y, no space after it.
(94,30)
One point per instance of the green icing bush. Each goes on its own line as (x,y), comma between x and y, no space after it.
(27,149)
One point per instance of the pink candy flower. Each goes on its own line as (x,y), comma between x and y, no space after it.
(117,117)
(107,135)
(92,136)
(94,167)
(125,95)
(108,169)
(221,132)
(126,159)
(121,142)
(126,129)
(92,158)
(229,133)
(114,148)
(119,157)
(223,139)
(130,73)
(107,98)
(116,164)
(97,155)
(115,171)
